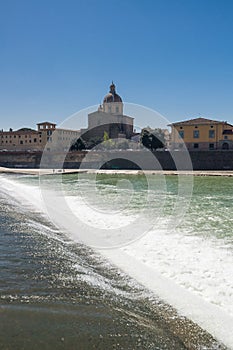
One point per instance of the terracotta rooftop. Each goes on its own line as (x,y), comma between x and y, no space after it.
(196,121)
(20,131)
(47,123)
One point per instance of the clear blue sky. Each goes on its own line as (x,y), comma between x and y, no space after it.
(57,57)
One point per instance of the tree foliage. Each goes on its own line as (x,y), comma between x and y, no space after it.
(78,145)
(93,142)
(152,138)
(106,136)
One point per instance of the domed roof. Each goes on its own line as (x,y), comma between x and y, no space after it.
(112,96)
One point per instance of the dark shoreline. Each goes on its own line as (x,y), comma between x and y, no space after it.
(214,160)
(24,324)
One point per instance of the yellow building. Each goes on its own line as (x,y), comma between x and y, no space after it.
(201,134)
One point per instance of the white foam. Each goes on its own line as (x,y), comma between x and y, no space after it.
(200,265)
(192,274)
(97,219)
(210,317)
(25,194)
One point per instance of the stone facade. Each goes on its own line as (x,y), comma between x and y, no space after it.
(47,136)
(22,140)
(205,160)
(110,118)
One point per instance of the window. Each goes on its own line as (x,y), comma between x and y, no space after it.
(196,134)
(211,134)
(181,134)
(109,109)
(225,137)
(196,145)
(21,142)
(117,109)
(211,145)
(35,140)
(225,145)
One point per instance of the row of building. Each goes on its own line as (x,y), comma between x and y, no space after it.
(108,118)
(27,139)
(195,134)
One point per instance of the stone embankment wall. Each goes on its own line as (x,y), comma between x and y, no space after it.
(200,160)
(20,159)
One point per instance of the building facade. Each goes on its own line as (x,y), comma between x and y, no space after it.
(24,139)
(201,134)
(47,136)
(110,118)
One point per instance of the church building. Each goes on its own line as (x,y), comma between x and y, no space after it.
(110,118)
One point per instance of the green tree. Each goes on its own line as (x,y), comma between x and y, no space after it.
(152,138)
(106,136)
(78,145)
(93,142)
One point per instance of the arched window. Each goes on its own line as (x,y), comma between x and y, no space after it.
(225,145)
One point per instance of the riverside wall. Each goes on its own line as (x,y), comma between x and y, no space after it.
(200,160)
(20,159)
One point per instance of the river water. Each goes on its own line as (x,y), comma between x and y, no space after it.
(58,293)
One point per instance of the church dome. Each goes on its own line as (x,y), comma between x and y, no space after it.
(112,96)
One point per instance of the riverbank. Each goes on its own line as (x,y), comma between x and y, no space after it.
(214,160)
(38,172)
